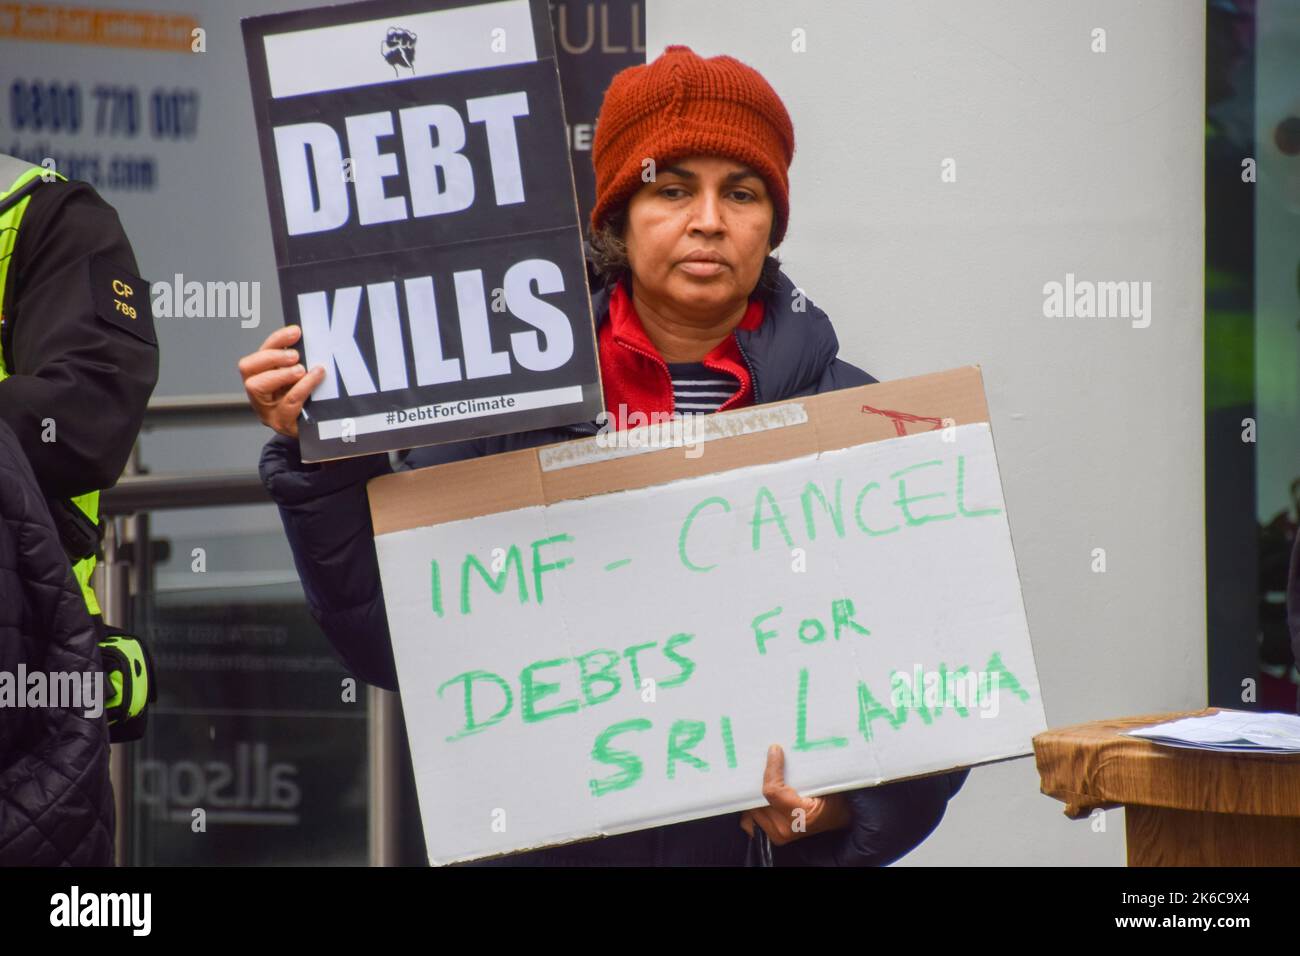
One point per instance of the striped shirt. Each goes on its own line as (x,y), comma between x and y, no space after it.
(698,389)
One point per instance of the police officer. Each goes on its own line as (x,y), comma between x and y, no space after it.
(78,362)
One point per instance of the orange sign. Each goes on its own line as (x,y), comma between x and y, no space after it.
(140,29)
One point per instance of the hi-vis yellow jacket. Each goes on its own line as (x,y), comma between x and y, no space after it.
(21,178)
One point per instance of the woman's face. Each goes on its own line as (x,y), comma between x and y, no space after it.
(701,204)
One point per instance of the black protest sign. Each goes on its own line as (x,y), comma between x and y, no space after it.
(594,42)
(425,222)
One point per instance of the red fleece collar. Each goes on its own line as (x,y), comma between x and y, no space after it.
(635,376)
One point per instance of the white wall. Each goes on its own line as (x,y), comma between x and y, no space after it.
(1067,161)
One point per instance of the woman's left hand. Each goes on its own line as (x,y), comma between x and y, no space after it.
(788,816)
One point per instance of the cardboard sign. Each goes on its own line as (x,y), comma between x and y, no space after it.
(425,221)
(591,639)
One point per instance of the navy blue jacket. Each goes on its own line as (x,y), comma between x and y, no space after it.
(326,516)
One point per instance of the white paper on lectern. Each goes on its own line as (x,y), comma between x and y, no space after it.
(1229,730)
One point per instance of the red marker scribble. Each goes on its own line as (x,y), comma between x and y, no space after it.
(898,418)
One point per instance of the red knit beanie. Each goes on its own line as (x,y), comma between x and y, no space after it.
(684,105)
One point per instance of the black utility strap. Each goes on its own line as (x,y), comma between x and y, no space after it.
(21,193)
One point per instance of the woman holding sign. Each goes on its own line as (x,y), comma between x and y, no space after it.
(694,316)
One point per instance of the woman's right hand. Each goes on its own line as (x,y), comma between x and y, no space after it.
(277,385)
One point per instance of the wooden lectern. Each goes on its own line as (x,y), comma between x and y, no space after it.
(1182,807)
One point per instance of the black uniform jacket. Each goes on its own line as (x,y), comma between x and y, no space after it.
(76,358)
